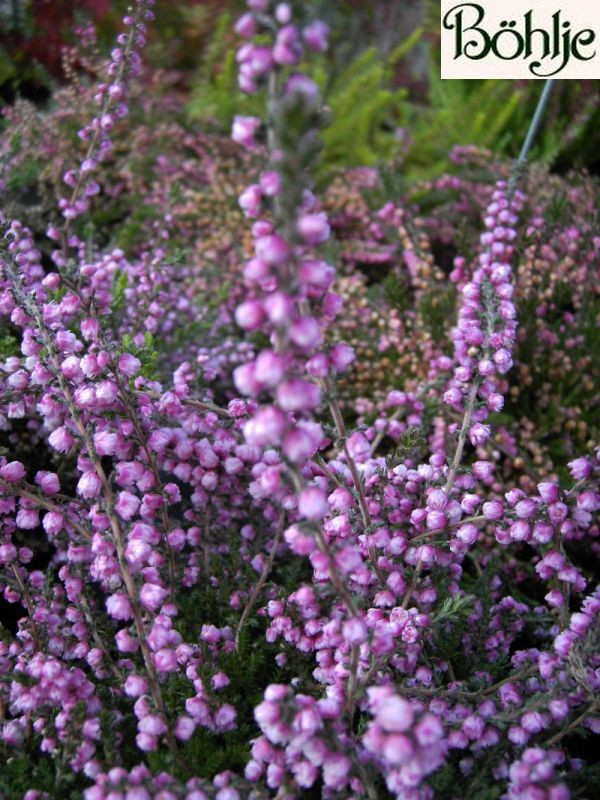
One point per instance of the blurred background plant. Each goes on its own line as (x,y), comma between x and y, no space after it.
(380,79)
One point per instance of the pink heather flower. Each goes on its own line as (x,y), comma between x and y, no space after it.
(250,315)
(312,503)
(479,434)
(354,631)
(555,598)
(436,521)
(580,468)
(105,443)
(250,200)
(588,501)
(219,681)
(493,510)
(89,485)
(397,749)
(244,129)
(543,532)
(428,730)
(341,357)
(127,505)
(467,534)
(165,660)
(302,86)
(520,531)
(318,274)
(305,332)
(152,596)
(70,367)
(283,13)
(90,329)
(245,380)
(395,714)
(225,717)
(210,633)
(153,725)
(53,522)
(129,365)
(107,392)
(135,686)
(48,482)
(525,509)
(483,470)
(246,26)
(336,770)
(272,249)
(61,440)
(299,445)
(118,606)
(270,183)
(548,492)
(299,543)
(13,733)
(146,743)
(268,368)
(341,500)
(13,471)
(315,36)
(184,728)
(279,308)
(298,395)
(314,228)
(266,427)
(27,519)
(8,553)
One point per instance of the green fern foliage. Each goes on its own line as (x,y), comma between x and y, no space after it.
(215,94)
(363,103)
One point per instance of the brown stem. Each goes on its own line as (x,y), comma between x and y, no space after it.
(261,581)
(462,437)
(26,596)
(204,405)
(591,709)
(28,493)
(340,427)
(87,612)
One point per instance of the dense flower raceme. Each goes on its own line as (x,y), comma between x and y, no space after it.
(145,527)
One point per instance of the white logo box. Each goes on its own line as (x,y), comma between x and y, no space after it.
(534,40)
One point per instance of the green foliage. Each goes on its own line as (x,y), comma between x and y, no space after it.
(364,106)
(146,353)
(362,101)
(437,309)
(9,346)
(215,94)
(494,114)
(397,292)
(409,445)
(480,113)
(28,767)
(453,609)
(119,285)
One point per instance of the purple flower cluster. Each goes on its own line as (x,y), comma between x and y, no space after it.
(111,99)
(485,334)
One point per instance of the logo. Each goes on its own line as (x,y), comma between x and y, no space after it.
(536,39)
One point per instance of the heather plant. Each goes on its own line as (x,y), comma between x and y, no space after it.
(232,574)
